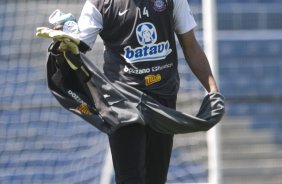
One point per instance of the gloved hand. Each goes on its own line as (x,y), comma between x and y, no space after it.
(68,43)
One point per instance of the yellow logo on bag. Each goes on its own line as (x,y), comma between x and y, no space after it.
(152,79)
(83,108)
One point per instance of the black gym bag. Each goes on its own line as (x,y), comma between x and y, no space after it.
(87,92)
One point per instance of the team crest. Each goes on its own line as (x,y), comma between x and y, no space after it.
(159,5)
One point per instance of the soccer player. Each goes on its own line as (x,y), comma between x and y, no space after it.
(140,50)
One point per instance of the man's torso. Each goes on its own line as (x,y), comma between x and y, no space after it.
(140,47)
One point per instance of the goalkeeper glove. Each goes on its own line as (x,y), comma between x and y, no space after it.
(68,43)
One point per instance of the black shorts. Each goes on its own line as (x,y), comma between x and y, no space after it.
(140,154)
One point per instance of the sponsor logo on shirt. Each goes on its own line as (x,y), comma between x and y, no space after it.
(141,71)
(152,79)
(162,67)
(150,50)
(136,71)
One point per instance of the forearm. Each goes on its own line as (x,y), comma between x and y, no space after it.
(198,61)
(199,65)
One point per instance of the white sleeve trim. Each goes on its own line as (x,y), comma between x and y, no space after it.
(90,24)
(183,17)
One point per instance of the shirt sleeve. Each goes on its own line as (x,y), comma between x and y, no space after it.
(90,24)
(183,17)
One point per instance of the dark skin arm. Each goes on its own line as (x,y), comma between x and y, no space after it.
(197,60)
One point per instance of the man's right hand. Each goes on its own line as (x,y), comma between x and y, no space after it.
(68,43)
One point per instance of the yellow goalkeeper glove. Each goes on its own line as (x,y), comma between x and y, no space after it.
(68,43)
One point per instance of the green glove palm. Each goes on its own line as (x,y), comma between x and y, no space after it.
(68,43)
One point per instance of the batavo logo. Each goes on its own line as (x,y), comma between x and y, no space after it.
(83,109)
(152,79)
(150,50)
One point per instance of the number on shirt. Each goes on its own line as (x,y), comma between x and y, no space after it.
(145,12)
